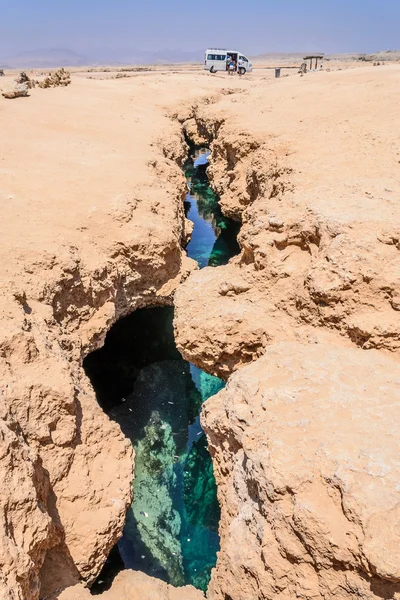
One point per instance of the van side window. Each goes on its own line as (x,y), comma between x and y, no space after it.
(244,58)
(216,57)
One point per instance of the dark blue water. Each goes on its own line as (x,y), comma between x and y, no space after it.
(140,378)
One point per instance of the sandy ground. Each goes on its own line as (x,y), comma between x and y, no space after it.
(69,155)
(263,66)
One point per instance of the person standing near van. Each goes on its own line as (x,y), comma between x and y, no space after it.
(240,64)
(231,67)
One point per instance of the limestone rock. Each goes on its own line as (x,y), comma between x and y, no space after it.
(71,266)
(305,448)
(192,131)
(15,90)
(189,226)
(58,78)
(133,585)
(24,78)
(319,251)
(26,526)
(235,331)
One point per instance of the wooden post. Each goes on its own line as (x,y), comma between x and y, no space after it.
(277,72)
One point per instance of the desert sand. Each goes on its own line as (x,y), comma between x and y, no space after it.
(303,324)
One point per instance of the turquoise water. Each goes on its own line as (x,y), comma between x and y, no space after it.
(172,528)
(141,380)
(214,239)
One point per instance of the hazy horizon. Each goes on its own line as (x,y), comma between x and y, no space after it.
(124,28)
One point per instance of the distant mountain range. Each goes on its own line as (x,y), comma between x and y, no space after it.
(279,57)
(43,58)
(57,57)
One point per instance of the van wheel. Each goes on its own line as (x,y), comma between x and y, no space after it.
(242,71)
(212,70)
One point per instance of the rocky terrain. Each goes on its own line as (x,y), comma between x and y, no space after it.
(318,207)
(304,439)
(22,83)
(305,447)
(92,199)
(133,585)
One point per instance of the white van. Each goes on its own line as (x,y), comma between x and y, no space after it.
(217,59)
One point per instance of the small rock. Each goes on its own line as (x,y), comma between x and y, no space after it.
(224,289)
(276,222)
(56,79)
(15,90)
(395,302)
(23,78)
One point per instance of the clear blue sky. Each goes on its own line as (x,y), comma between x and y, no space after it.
(253,25)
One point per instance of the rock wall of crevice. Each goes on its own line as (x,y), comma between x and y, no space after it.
(306,484)
(303,271)
(303,326)
(68,467)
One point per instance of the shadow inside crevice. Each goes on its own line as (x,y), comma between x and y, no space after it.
(134,342)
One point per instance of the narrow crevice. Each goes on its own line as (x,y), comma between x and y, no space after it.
(142,382)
